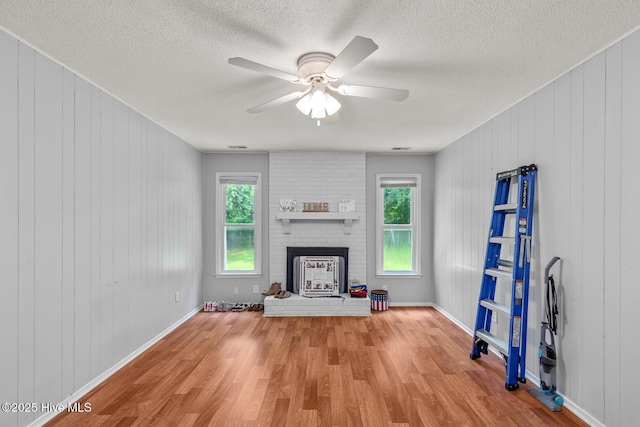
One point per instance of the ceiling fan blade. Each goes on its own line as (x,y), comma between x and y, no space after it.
(254,66)
(352,55)
(277,101)
(373,92)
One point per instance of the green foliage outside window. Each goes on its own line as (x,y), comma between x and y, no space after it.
(239,240)
(240,203)
(397,205)
(397,242)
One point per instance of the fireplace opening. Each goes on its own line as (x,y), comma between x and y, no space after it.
(340,254)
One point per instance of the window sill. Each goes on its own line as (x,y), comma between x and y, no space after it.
(238,275)
(400,275)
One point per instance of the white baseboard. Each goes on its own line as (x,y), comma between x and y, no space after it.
(410,304)
(77,395)
(453,319)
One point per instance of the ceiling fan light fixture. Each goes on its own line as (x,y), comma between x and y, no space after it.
(318,105)
(331,104)
(304,105)
(318,113)
(317,99)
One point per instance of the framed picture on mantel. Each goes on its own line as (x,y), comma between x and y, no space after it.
(287,205)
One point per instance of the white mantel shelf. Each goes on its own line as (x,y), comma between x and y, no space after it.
(287,217)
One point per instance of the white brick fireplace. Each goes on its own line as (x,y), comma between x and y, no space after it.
(317,177)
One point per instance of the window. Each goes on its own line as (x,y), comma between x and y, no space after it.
(398,224)
(238,223)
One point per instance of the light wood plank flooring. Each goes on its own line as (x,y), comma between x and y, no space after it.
(402,367)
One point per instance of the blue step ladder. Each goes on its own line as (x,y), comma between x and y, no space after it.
(508,261)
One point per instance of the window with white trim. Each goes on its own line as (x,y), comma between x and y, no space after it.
(398,224)
(238,223)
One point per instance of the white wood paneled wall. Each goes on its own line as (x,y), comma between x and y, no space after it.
(583,131)
(100,225)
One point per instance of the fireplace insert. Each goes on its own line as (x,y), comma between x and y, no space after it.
(340,254)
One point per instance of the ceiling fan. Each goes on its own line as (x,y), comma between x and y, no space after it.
(320,71)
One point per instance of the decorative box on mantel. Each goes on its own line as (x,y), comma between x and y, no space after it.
(287,217)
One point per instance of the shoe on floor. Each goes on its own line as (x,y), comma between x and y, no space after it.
(239,307)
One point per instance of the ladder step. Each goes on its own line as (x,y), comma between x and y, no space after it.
(507,207)
(495,307)
(500,274)
(492,340)
(503,240)
(505,263)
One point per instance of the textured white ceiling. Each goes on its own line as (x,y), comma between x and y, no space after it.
(462,61)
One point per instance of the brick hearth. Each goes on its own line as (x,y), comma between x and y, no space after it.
(296,305)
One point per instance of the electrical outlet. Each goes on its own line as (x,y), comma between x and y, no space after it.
(177,296)
(384,287)
(256,289)
(235,291)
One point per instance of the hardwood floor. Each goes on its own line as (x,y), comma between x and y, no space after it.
(407,366)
